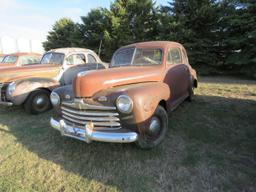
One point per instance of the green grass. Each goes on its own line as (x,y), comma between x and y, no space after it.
(210,146)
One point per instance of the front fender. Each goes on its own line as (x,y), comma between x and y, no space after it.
(145,96)
(25,86)
(65,93)
(146,99)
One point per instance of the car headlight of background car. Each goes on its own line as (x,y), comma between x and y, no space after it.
(11,88)
(55,98)
(124,104)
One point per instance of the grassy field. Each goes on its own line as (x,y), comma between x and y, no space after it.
(210,146)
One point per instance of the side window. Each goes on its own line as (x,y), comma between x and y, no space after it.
(174,56)
(185,56)
(91,59)
(26,60)
(76,59)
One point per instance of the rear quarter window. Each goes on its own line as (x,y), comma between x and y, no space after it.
(174,56)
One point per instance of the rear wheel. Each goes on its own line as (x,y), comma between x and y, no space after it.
(156,131)
(38,102)
(191,93)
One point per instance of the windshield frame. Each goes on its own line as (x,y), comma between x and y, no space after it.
(133,57)
(2,58)
(52,54)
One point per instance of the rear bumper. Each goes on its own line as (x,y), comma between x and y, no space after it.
(89,135)
(5,103)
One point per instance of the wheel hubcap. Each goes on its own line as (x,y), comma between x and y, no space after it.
(40,103)
(155,126)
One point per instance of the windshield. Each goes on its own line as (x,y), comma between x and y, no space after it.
(137,57)
(10,59)
(53,58)
(27,60)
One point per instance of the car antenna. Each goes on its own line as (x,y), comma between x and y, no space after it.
(100,47)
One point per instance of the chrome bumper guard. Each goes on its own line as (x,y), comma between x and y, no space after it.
(89,135)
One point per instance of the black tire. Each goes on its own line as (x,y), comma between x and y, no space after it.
(191,93)
(148,139)
(33,106)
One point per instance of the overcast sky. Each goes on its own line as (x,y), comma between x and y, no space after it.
(34,18)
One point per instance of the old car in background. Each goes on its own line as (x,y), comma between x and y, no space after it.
(2,57)
(31,85)
(20,59)
(129,101)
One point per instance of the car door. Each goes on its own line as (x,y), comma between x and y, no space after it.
(177,76)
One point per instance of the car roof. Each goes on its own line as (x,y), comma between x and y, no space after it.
(162,44)
(70,49)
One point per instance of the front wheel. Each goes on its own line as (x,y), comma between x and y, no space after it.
(38,102)
(156,131)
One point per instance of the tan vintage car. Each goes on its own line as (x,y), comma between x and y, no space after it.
(20,59)
(128,102)
(31,85)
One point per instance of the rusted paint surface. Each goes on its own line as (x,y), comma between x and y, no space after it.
(115,77)
(147,86)
(15,73)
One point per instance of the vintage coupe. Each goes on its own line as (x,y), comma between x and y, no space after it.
(129,101)
(20,59)
(31,85)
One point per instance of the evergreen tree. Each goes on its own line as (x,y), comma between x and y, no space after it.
(219,35)
(96,29)
(61,34)
(195,27)
(240,37)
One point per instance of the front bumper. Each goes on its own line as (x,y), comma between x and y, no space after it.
(89,135)
(5,103)
(3,100)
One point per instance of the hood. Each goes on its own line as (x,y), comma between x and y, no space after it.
(9,74)
(94,81)
(4,65)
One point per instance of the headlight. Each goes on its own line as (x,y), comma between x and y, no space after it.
(11,88)
(55,98)
(124,104)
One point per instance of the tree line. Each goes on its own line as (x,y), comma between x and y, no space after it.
(219,35)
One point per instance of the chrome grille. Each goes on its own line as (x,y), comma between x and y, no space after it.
(79,113)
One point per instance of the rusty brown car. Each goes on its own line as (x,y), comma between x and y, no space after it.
(31,85)
(20,59)
(129,101)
